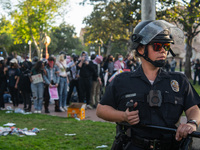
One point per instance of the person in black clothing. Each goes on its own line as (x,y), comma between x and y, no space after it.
(180,65)
(13,78)
(157,97)
(96,81)
(85,80)
(10,57)
(24,85)
(132,64)
(167,66)
(74,76)
(196,71)
(3,82)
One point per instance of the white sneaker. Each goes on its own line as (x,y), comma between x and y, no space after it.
(35,112)
(65,108)
(62,109)
(39,111)
(89,107)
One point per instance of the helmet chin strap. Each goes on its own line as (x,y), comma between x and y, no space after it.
(156,63)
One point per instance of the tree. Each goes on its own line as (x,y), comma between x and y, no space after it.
(33,18)
(186,16)
(64,39)
(106,24)
(6,37)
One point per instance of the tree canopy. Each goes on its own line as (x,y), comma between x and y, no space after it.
(107,24)
(185,14)
(33,18)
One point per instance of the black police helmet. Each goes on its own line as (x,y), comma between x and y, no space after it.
(151,30)
(163,37)
(136,37)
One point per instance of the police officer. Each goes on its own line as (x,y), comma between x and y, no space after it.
(159,97)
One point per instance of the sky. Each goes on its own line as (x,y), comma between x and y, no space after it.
(74,16)
(77,13)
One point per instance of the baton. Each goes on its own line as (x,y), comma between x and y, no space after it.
(130,106)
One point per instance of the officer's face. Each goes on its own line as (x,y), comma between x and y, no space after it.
(156,55)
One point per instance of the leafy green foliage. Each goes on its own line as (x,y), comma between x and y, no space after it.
(185,14)
(6,37)
(33,18)
(64,39)
(112,23)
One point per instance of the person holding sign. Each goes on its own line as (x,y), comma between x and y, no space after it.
(51,80)
(37,85)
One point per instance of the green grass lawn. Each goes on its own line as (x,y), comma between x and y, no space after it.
(88,136)
(196,86)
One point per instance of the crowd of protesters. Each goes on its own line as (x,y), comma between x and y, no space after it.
(76,78)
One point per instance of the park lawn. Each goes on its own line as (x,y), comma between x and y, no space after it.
(89,134)
(196,87)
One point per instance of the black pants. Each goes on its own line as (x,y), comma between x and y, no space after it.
(85,85)
(72,84)
(196,74)
(27,99)
(14,96)
(2,89)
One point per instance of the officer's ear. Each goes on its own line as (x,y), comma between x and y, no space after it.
(140,49)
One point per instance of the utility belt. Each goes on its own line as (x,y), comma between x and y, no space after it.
(126,138)
(153,144)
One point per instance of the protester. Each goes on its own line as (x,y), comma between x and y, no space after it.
(13,78)
(51,80)
(24,85)
(37,85)
(167,66)
(110,67)
(96,83)
(119,64)
(62,90)
(3,82)
(85,80)
(173,65)
(196,71)
(74,77)
(44,60)
(180,65)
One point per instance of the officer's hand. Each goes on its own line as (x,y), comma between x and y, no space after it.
(132,117)
(183,130)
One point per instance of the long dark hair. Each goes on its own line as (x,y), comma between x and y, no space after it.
(38,66)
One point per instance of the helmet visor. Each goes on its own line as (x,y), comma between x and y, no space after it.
(155,27)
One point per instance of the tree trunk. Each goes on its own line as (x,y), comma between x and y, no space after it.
(188,57)
(109,48)
(37,47)
(5,51)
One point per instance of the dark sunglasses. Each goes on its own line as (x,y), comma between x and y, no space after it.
(158,46)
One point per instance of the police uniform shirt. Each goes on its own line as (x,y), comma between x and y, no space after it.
(177,96)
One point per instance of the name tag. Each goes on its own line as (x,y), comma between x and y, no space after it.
(130,95)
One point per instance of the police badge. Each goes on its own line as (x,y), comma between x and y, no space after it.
(174,85)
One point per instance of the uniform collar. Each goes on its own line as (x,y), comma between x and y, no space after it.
(140,73)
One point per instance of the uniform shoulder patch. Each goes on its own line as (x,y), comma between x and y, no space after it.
(174,85)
